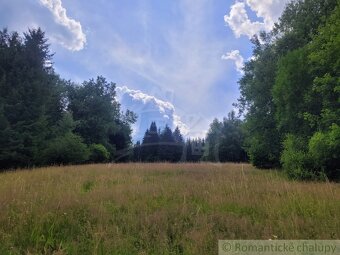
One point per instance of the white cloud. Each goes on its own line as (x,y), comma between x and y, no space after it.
(237,58)
(76,38)
(269,10)
(149,108)
(240,23)
(190,57)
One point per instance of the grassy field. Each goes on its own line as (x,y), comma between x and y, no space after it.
(158,208)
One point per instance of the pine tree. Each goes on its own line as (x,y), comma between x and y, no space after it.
(179,145)
(167,145)
(150,144)
(28,97)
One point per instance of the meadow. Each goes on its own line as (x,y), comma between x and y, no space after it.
(158,208)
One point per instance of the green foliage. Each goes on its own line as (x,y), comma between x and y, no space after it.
(261,152)
(262,140)
(224,140)
(325,66)
(296,159)
(324,149)
(290,92)
(300,22)
(98,153)
(37,108)
(68,149)
(316,158)
(98,116)
(30,102)
(320,156)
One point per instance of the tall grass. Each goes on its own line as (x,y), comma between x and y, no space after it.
(158,208)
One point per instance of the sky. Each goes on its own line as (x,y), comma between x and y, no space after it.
(176,62)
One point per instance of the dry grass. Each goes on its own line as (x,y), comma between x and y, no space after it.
(158,208)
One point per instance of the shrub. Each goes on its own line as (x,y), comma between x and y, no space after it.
(324,149)
(314,158)
(98,153)
(67,149)
(262,154)
(295,158)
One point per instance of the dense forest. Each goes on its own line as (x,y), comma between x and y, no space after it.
(289,106)
(290,93)
(46,120)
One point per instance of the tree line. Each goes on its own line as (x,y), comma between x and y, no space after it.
(290,93)
(167,146)
(46,120)
(223,143)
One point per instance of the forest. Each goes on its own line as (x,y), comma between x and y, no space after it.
(290,93)
(289,106)
(46,120)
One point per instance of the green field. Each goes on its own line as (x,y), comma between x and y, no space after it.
(158,208)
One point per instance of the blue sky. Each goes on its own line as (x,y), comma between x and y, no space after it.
(174,61)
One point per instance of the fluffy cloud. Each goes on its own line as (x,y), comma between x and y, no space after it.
(269,10)
(239,22)
(237,58)
(148,109)
(75,39)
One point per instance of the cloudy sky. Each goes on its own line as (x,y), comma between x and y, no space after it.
(174,61)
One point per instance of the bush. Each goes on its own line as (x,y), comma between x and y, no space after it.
(295,158)
(67,149)
(262,154)
(324,148)
(98,153)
